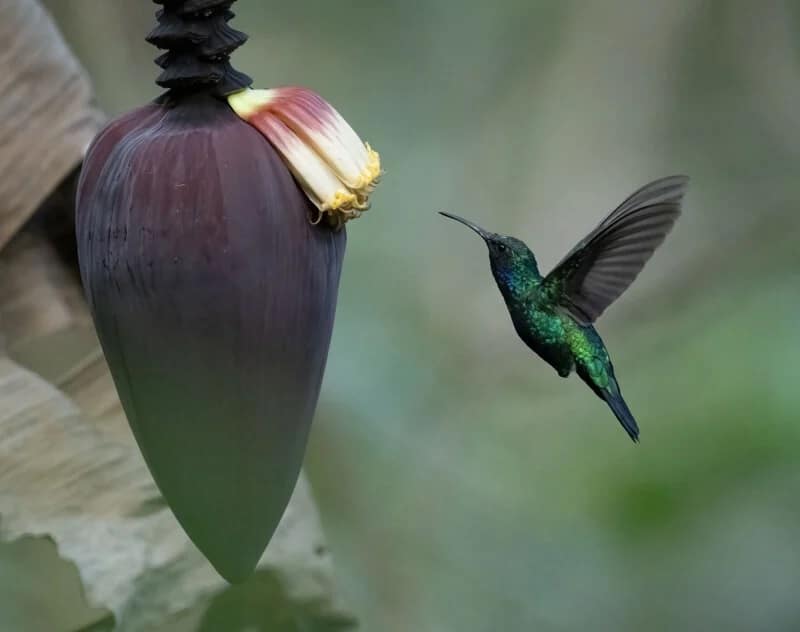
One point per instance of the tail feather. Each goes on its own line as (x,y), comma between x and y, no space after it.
(617,404)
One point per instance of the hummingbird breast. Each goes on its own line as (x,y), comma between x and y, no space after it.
(544,331)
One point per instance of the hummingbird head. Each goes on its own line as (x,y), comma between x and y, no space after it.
(513,264)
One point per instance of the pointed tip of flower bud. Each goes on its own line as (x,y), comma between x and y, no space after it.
(336,169)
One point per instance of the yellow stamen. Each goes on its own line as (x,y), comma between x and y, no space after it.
(371,174)
(341,201)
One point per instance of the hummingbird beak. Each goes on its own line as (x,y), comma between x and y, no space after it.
(483,233)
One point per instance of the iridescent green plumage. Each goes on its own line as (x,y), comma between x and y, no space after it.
(554,314)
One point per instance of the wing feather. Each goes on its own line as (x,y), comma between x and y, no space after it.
(604,264)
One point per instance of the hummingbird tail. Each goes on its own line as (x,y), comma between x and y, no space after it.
(617,404)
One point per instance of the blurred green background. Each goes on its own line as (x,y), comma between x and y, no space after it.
(463,485)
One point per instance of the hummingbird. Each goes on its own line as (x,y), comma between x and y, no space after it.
(554,314)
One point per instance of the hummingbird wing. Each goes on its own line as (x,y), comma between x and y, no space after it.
(605,263)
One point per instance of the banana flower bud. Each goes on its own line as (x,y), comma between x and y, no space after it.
(211,279)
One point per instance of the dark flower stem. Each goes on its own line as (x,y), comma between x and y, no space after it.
(198,42)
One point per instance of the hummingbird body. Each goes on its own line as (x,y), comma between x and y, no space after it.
(554,314)
(553,335)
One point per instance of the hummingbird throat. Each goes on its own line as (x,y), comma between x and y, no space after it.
(516,279)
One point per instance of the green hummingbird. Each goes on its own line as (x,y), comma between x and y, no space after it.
(554,314)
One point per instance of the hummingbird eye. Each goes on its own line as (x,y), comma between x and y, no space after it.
(501,246)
